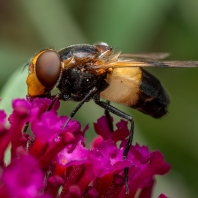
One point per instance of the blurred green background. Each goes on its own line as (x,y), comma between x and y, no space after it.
(131,26)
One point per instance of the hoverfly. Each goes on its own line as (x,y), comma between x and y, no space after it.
(83,72)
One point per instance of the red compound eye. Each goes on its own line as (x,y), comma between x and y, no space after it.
(48,68)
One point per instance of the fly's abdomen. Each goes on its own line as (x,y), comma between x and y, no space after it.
(138,89)
(153,98)
(123,86)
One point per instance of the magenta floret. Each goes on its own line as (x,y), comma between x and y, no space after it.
(51,157)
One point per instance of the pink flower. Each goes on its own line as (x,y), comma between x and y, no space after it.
(52,158)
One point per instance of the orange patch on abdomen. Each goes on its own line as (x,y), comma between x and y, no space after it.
(123,86)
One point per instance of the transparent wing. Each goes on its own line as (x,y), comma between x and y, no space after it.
(155,56)
(140,60)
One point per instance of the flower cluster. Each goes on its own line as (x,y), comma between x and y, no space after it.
(52,161)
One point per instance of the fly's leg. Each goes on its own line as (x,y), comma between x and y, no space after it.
(25,128)
(121,114)
(109,119)
(57,97)
(86,98)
